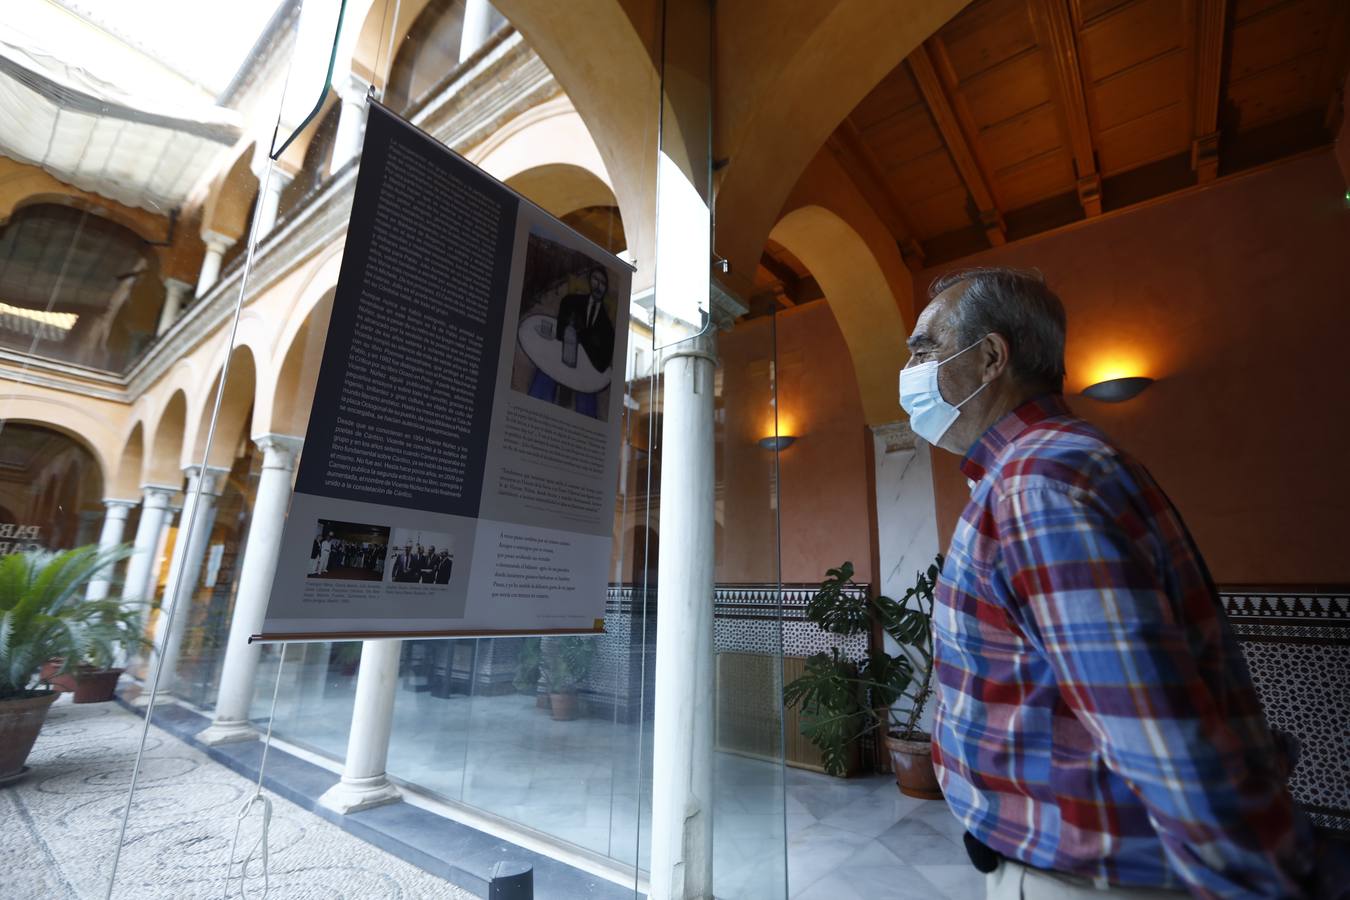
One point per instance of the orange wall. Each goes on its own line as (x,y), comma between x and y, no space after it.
(1237,297)
(823,478)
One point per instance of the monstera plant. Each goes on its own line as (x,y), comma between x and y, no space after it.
(842,701)
(44,616)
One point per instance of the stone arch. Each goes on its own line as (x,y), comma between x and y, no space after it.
(231,197)
(164,463)
(236,408)
(126,478)
(23,185)
(80,422)
(298,374)
(783,98)
(552,133)
(277,413)
(861,298)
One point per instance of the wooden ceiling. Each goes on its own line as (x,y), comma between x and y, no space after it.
(1023,115)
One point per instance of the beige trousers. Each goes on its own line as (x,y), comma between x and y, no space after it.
(1014,881)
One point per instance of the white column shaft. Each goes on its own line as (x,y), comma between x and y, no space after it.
(174,293)
(138,585)
(682,801)
(271,201)
(211,262)
(114,524)
(255,582)
(185,570)
(364,783)
(351,130)
(478,16)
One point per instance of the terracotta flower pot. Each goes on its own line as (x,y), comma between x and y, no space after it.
(20,721)
(59,683)
(912,762)
(95,685)
(564,707)
(541,701)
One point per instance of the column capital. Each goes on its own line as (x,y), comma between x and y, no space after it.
(177,284)
(158,495)
(701,346)
(216,241)
(894,436)
(356,90)
(116,503)
(279,450)
(210,477)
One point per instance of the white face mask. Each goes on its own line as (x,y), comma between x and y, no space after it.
(930,416)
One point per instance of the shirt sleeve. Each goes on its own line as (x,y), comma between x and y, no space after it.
(1093,602)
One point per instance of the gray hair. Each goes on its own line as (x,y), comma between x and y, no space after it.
(1017,304)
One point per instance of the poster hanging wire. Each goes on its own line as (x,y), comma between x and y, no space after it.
(193,503)
(256,799)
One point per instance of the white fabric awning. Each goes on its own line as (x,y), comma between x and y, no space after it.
(140,151)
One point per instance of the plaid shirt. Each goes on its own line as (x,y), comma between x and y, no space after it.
(1095,714)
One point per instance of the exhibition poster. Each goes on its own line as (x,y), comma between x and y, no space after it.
(461,460)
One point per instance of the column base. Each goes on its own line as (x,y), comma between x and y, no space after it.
(227,732)
(355,794)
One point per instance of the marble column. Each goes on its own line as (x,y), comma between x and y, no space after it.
(682,754)
(907,538)
(255,582)
(364,783)
(478,18)
(175,292)
(114,523)
(138,586)
(216,245)
(185,568)
(351,128)
(276,181)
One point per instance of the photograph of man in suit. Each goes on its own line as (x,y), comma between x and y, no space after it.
(592,329)
(444,565)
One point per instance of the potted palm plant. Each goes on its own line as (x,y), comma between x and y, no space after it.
(566,662)
(43,615)
(841,702)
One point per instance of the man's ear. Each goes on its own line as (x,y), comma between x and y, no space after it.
(996,356)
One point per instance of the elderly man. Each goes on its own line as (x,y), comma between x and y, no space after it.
(1097,731)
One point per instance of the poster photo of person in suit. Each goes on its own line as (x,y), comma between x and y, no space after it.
(565,336)
(348,551)
(420,557)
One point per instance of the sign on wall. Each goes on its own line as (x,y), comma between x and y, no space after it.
(462,454)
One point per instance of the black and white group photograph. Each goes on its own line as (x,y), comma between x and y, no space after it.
(565,337)
(420,557)
(348,551)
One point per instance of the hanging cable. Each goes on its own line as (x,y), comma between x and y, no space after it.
(256,799)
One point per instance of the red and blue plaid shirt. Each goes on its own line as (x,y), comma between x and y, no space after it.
(1095,714)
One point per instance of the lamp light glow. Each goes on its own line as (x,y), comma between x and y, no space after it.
(1117,390)
(777,441)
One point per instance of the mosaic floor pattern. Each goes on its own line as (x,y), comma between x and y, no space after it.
(60,824)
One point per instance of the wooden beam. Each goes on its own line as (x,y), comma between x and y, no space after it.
(1055,31)
(958,144)
(791,287)
(858,160)
(1210,24)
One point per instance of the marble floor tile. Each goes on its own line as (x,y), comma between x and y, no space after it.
(956,882)
(914,841)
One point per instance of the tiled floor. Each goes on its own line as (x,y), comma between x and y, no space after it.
(862,838)
(578,782)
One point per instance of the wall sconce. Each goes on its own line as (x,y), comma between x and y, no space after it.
(1117,390)
(777,442)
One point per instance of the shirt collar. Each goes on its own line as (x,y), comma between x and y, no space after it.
(981,456)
